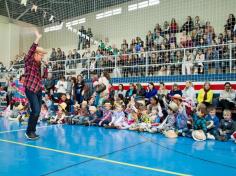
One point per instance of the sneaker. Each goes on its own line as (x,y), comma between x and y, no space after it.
(32,136)
(210,136)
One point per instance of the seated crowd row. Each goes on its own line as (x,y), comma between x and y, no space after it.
(173,113)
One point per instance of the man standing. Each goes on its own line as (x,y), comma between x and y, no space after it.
(33,84)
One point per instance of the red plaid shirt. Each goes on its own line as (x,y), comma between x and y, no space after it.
(33,79)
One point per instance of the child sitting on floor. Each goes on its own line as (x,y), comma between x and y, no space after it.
(61,114)
(226,127)
(199,123)
(83,114)
(118,117)
(212,123)
(106,110)
(44,113)
(170,120)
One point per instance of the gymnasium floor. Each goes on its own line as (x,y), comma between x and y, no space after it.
(66,150)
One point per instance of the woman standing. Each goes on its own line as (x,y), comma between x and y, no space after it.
(79,86)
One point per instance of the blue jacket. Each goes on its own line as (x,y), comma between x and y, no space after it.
(151,93)
(215,119)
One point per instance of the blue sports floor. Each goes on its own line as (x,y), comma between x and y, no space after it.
(66,150)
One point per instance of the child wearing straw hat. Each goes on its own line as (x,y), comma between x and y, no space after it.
(107,112)
(61,113)
(170,120)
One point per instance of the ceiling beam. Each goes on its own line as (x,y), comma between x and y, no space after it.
(8,13)
(22,14)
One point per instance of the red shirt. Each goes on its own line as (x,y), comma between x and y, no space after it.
(33,79)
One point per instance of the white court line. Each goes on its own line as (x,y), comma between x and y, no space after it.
(10,131)
(97,158)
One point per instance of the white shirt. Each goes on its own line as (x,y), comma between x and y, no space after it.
(190,94)
(61,86)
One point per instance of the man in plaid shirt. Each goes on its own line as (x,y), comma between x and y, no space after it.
(33,85)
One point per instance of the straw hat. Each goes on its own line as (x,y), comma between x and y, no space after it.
(40,50)
(170,134)
(173,106)
(176,96)
(142,102)
(92,108)
(63,106)
(20,107)
(118,105)
(210,124)
(198,135)
(77,105)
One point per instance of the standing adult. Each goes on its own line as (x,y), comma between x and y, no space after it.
(33,84)
(79,86)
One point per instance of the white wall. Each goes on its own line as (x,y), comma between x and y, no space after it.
(15,38)
(136,23)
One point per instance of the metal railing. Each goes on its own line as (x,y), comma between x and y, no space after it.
(180,61)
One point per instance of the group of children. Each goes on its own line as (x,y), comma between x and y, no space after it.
(171,118)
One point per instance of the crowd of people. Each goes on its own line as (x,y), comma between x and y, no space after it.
(166,56)
(146,109)
(164,59)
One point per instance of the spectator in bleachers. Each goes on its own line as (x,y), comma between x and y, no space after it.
(124,45)
(157,28)
(53,55)
(157,39)
(228,36)
(166,28)
(183,39)
(152,60)
(82,39)
(79,86)
(174,28)
(178,58)
(172,39)
(227,97)
(189,42)
(149,40)
(188,25)
(89,35)
(198,62)
(61,86)
(230,23)
(49,84)
(197,22)
(187,63)
(205,95)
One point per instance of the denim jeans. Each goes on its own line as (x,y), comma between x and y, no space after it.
(35,101)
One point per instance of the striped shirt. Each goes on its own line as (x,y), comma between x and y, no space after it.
(33,80)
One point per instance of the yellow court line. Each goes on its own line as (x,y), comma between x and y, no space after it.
(9,131)
(96,158)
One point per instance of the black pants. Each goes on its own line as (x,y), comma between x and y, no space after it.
(225,104)
(35,101)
